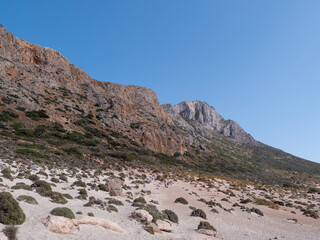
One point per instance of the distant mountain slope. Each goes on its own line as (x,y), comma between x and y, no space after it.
(53,112)
(187,111)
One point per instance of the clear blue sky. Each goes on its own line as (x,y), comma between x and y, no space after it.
(256,62)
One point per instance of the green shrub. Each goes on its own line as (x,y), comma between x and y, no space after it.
(10,211)
(102,187)
(154,212)
(67,195)
(112,208)
(7,174)
(83,192)
(265,202)
(37,115)
(172,216)
(23,186)
(115,202)
(90,214)
(140,200)
(57,197)
(27,199)
(63,212)
(43,173)
(73,151)
(63,178)
(181,200)
(33,177)
(42,187)
(11,232)
(206,225)
(6,116)
(55,180)
(79,183)
(30,152)
(199,213)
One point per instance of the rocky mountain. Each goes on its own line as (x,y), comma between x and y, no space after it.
(52,112)
(34,78)
(186,113)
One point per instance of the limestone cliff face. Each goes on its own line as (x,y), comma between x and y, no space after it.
(34,78)
(198,117)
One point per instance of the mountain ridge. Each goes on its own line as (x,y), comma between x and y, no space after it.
(48,101)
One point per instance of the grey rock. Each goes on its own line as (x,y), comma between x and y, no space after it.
(198,117)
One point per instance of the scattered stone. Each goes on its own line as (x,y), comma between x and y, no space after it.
(114,186)
(164,226)
(142,216)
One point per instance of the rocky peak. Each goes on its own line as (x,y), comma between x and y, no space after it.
(188,112)
(36,78)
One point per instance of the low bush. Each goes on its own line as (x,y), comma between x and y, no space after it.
(140,200)
(11,232)
(115,202)
(199,213)
(27,199)
(22,185)
(63,212)
(206,225)
(67,195)
(181,200)
(265,202)
(10,211)
(112,208)
(57,197)
(102,187)
(42,187)
(172,216)
(33,177)
(6,173)
(79,183)
(55,180)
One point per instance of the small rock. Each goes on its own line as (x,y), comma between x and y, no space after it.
(155,228)
(142,216)
(114,186)
(207,232)
(164,226)
(3,236)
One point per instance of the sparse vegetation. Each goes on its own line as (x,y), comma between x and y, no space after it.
(27,199)
(172,216)
(199,213)
(206,225)
(11,232)
(181,200)
(10,211)
(265,202)
(63,211)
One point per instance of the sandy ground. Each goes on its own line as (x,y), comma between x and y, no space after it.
(234,225)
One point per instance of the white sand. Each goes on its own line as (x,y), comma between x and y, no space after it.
(236,225)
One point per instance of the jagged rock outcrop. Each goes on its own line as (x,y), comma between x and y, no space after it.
(35,78)
(197,117)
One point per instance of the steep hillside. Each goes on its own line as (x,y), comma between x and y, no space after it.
(52,112)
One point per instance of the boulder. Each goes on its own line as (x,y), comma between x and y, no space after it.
(58,224)
(107,224)
(64,225)
(142,216)
(155,228)
(114,185)
(164,226)
(34,167)
(3,236)
(207,232)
